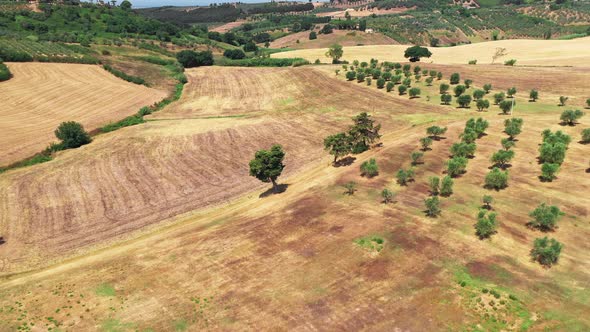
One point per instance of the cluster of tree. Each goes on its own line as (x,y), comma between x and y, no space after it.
(190,59)
(217,13)
(273,7)
(552,153)
(234,54)
(358,139)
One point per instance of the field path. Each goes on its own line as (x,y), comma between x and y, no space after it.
(42,95)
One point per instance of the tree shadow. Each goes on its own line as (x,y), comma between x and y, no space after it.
(583,143)
(542,179)
(2,241)
(567,124)
(281,188)
(502,167)
(588,170)
(344,162)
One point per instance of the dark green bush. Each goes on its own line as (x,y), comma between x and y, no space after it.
(124,76)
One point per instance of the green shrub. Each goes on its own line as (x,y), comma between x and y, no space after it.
(506,106)
(389,86)
(426,142)
(350,187)
(502,158)
(72,135)
(513,127)
(455,78)
(472,62)
(563,100)
(510,62)
(446,99)
(414,92)
(511,92)
(265,62)
(487,88)
(534,95)
(434,184)
(478,94)
(416,157)
(128,121)
(487,201)
(380,83)
(443,88)
(5,73)
(499,97)
(387,195)
(124,76)
(464,101)
(586,135)
(463,149)
(459,90)
(402,89)
(468,83)
(482,104)
(350,75)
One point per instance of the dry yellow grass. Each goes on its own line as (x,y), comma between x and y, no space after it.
(41,95)
(575,52)
(342,37)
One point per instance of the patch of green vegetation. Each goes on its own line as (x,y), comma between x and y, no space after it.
(105,289)
(115,325)
(180,325)
(371,242)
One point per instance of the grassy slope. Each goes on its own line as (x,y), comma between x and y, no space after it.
(289,261)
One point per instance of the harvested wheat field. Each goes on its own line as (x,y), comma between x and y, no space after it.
(143,175)
(526,52)
(342,37)
(232,257)
(42,95)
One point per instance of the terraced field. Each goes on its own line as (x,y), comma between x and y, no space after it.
(40,96)
(526,52)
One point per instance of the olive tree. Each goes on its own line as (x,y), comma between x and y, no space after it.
(443,88)
(482,104)
(478,94)
(486,224)
(468,83)
(434,184)
(402,89)
(369,168)
(548,172)
(455,78)
(507,143)
(546,251)
(545,217)
(459,90)
(414,92)
(436,132)
(350,187)
(496,179)
(487,88)
(387,195)
(570,117)
(335,52)
(586,136)
(499,97)
(456,166)
(487,201)
(404,176)
(432,206)
(446,187)
(389,86)
(511,92)
(350,75)
(513,127)
(502,158)
(463,149)
(464,101)
(426,142)
(534,95)
(416,157)
(563,100)
(506,106)
(267,165)
(446,99)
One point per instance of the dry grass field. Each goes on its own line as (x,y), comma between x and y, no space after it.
(342,37)
(164,230)
(575,52)
(41,96)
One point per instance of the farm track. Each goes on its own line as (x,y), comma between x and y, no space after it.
(42,95)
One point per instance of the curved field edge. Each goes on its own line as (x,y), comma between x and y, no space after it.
(42,95)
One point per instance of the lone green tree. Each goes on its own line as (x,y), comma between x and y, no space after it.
(511,92)
(533,95)
(338,145)
(455,78)
(426,142)
(487,88)
(502,158)
(446,99)
(387,195)
(436,132)
(414,53)
(335,52)
(369,168)
(443,88)
(434,184)
(267,165)
(72,135)
(404,176)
